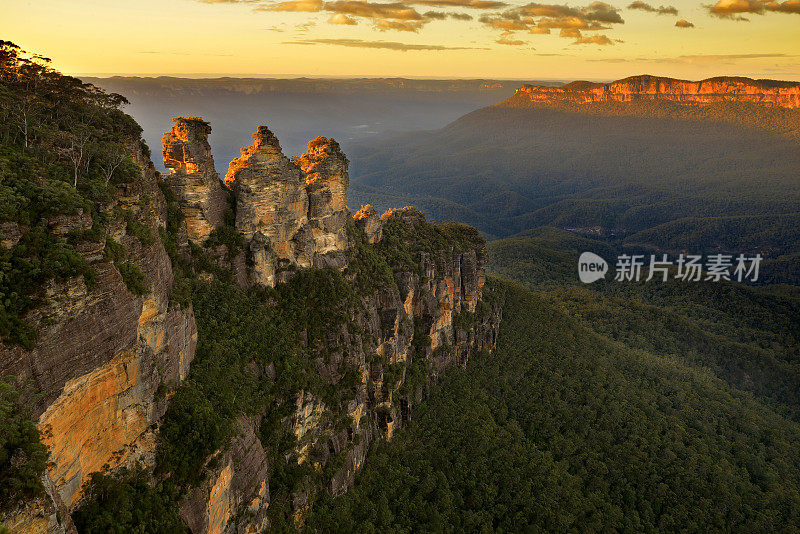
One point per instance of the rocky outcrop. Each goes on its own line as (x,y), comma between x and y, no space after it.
(271,207)
(292,214)
(194,180)
(105,359)
(369,222)
(720,89)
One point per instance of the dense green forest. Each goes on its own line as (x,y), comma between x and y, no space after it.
(562,429)
(748,336)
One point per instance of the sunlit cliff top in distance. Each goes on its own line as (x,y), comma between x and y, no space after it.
(646,87)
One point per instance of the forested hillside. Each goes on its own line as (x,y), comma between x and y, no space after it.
(748,336)
(562,429)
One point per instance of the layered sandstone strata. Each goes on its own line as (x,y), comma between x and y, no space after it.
(720,89)
(194,179)
(105,359)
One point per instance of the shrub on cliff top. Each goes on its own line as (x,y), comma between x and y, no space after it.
(39,256)
(63,156)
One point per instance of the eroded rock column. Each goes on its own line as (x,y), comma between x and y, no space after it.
(194,179)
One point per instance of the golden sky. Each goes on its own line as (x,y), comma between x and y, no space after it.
(424,38)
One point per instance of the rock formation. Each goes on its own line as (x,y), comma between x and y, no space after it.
(325,169)
(720,89)
(194,179)
(292,214)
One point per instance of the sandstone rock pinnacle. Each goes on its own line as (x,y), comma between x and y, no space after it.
(325,168)
(194,180)
(292,213)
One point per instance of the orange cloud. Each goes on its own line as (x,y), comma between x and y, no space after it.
(474,4)
(357,8)
(399,25)
(790,6)
(660,10)
(595,39)
(571,22)
(596,11)
(441,15)
(683,23)
(505,39)
(507,23)
(340,18)
(541,18)
(294,5)
(731,8)
(384,45)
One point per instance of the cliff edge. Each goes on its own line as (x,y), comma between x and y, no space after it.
(646,87)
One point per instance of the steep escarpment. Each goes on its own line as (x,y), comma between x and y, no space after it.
(769,105)
(192,360)
(711,90)
(349,320)
(106,355)
(91,342)
(110,346)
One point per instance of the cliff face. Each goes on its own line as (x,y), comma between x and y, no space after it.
(194,179)
(721,89)
(103,352)
(398,338)
(325,169)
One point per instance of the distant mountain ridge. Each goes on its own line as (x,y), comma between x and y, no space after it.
(647,87)
(147,85)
